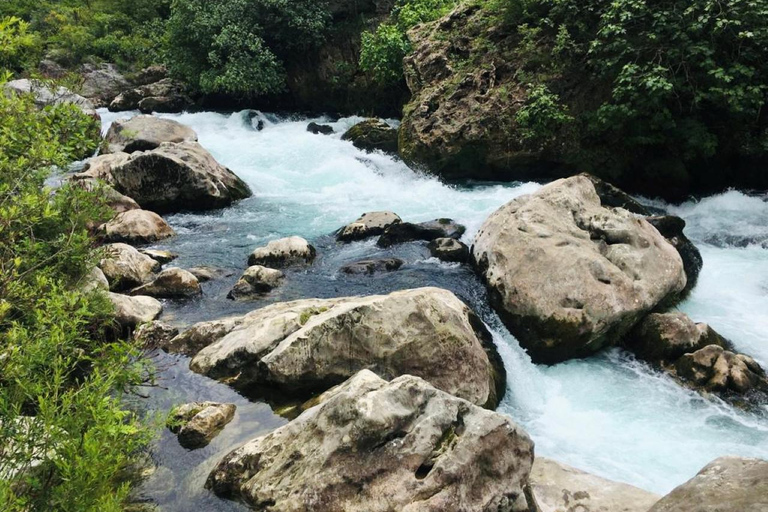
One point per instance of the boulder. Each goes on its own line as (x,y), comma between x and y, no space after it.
(614,197)
(173,177)
(569,276)
(309,345)
(51,69)
(154,334)
(93,281)
(382,447)
(133,311)
(728,484)
(200,335)
(166,95)
(118,202)
(197,423)
(559,488)
(284,252)
(150,75)
(144,133)
(46,95)
(99,168)
(160,256)
(102,83)
(137,227)
(372,135)
(368,225)
(407,232)
(205,274)
(171,283)
(449,249)
(370,267)
(319,129)
(713,368)
(256,280)
(125,267)
(665,337)
(671,228)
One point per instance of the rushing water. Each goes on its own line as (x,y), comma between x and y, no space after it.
(609,414)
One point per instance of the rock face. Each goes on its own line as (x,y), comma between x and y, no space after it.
(283,253)
(126,268)
(728,484)
(403,232)
(133,311)
(569,276)
(372,135)
(198,423)
(47,96)
(256,280)
(713,368)
(383,447)
(560,488)
(166,95)
(171,178)
(171,283)
(309,345)
(449,249)
(137,227)
(368,225)
(370,267)
(144,133)
(671,228)
(102,83)
(665,337)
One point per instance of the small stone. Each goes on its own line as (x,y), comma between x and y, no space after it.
(133,311)
(449,249)
(125,267)
(197,423)
(205,274)
(319,129)
(368,225)
(162,257)
(171,283)
(284,252)
(370,267)
(137,227)
(256,280)
(155,334)
(372,135)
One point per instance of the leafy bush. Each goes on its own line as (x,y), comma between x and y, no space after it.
(65,437)
(238,46)
(19,47)
(542,116)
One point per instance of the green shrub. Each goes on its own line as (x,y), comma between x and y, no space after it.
(542,116)
(19,47)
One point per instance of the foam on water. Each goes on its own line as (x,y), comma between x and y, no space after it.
(610,414)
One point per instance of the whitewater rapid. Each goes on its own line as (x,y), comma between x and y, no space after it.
(609,414)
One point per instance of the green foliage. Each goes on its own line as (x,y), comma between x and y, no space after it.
(19,47)
(239,46)
(383,51)
(65,437)
(542,116)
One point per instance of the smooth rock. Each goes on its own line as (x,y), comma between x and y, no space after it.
(200,335)
(284,252)
(133,311)
(665,337)
(205,274)
(155,334)
(560,488)
(160,256)
(256,280)
(372,135)
(449,249)
(144,133)
(568,276)
(197,423)
(407,232)
(171,283)
(93,281)
(310,345)
(727,484)
(137,227)
(126,268)
(370,267)
(383,447)
(368,225)
(319,129)
(715,369)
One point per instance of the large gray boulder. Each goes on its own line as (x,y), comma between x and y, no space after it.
(383,447)
(137,227)
(125,267)
(144,133)
(284,252)
(46,95)
(569,276)
(171,283)
(728,484)
(102,83)
(131,312)
(665,337)
(310,345)
(560,488)
(165,95)
(172,177)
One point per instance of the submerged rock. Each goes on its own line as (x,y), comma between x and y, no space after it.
(126,268)
(309,345)
(713,368)
(665,337)
(204,273)
(371,135)
(131,312)
(197,423)
(256,280)
(171,283)
(560,488)
(569,276)
(403,232)
(382,447)
(449,249)
(727,484)
(284,252)
(370,267)
(160,256)
(137,227)
(144,133)
(368,225)
(319,129)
